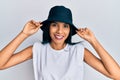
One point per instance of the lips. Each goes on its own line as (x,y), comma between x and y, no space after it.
(59,37)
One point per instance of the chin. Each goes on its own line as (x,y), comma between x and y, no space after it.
(59,41)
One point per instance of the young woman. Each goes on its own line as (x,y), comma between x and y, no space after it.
(56,57)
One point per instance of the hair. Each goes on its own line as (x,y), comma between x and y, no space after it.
(47,38)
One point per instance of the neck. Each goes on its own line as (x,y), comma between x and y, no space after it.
(57,46)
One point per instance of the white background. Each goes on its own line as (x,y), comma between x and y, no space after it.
(101,16)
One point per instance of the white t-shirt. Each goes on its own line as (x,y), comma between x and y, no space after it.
(64,64)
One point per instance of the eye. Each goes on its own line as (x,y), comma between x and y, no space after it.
(54,24)
(66,25)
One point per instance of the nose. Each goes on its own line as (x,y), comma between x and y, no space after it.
(60,29)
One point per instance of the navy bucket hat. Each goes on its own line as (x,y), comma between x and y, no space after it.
(61,14)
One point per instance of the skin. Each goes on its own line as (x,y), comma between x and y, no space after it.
(61,30)
(105,65)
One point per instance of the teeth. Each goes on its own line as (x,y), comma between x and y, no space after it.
(59,37)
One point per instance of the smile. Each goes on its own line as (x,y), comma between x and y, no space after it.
(59,37)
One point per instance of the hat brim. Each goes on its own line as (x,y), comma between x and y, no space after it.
(45,23)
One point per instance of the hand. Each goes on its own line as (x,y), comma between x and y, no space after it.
(31,27)
(86,34)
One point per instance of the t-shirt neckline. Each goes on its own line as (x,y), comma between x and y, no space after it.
(54,50)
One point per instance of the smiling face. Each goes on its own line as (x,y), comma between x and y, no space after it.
(59,32)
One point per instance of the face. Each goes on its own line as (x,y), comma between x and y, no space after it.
(59,32)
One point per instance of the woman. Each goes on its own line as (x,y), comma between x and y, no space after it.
(56,57)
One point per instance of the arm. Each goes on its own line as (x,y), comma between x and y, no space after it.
(106,64)
(17,58)
(7,56)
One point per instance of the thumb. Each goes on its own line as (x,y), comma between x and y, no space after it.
(40,24)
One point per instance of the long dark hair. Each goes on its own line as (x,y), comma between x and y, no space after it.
(47,38)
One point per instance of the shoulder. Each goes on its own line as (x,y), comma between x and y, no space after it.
(79,47)
(39,45)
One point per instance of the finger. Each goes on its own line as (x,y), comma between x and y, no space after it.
(81,30)
(33,21)
(41,25)
(80,33)
(37,23)
(84,29)
(40,22)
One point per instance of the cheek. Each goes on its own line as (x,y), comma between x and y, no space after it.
(51,32)
(67,32)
